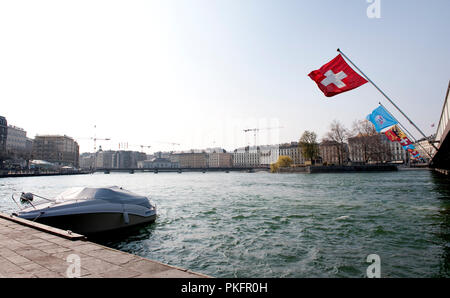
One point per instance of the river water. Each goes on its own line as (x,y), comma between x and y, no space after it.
(280,225)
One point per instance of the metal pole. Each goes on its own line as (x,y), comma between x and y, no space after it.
(387,97)
(410,135)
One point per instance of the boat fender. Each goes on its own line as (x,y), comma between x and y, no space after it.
(126,219)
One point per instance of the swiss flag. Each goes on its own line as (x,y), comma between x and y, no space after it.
(336,77)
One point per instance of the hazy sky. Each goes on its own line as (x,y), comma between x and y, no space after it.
(198,72)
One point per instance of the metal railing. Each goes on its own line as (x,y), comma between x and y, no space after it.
(443,121)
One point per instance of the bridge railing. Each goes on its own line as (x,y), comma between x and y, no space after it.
(443,121)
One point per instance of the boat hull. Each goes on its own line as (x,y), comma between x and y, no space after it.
(93,223)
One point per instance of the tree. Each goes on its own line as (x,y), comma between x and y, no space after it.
(338,136)
(369,142)
(283,161)
(309,146)
(274,167)
(364,128)
(363,132)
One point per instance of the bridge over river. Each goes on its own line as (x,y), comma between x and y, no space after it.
(441,159)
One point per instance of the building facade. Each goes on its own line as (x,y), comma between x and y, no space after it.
(61,150)
(104,159)
(157,163)
(426,150)
(191,159)
(16,141)
(294,151)
(269,155)
(333,153)
(29,145)
(127,159)
(221,159)
(247,157)
(3,136)
(397,153)
(87,160)
(375,149)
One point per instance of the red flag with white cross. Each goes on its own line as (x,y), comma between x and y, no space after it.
(336,77)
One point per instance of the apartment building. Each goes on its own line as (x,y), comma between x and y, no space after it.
(247,157)
(61,150)
(294,151)
(269,154)
(16,141)
(220,159)
(3,135)
(333,152)
(375,149)
(192,159)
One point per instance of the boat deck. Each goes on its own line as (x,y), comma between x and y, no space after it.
(29,249)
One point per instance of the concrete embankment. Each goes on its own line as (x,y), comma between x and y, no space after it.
(442,171)
(339,169)
(359,168)
(7,174)
(29,249)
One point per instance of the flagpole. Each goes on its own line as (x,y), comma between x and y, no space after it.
(401,125)
(387,97)
(410,135)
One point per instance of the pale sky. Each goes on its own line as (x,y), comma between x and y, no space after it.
(198,72)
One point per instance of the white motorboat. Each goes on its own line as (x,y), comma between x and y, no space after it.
(90,210)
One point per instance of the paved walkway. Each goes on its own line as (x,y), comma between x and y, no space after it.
(30,249)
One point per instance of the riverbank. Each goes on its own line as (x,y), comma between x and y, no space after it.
(442,171)
(35,173)
(32,173)
(339,169)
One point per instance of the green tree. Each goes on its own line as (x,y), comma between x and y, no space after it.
(309,145)
(274,167)
(282,162)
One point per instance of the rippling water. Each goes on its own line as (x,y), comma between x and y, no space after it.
(287,225)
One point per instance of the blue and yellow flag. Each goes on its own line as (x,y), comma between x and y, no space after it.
(381,118)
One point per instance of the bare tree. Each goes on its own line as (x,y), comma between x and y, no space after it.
(369,143)
(338,136)
(364,128)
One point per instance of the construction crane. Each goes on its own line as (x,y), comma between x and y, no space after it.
(95,138)
(95,141)
(256,131)
(125,145)
(99,139)
(170,143)
(146,146)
